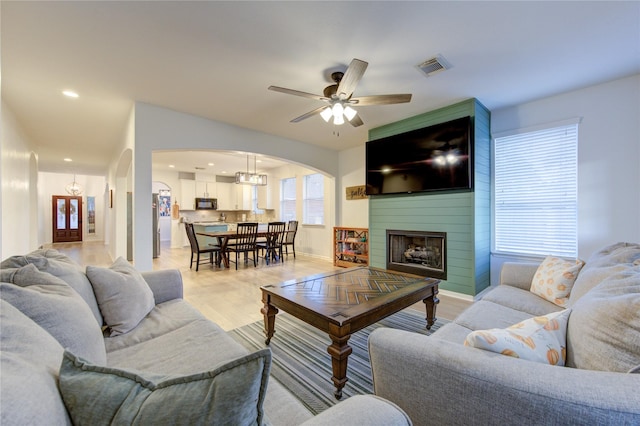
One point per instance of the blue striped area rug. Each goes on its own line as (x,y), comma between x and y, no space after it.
(301,363)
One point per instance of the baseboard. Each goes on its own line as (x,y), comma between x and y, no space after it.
(457,295)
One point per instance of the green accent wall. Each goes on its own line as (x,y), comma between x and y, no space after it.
(464,216)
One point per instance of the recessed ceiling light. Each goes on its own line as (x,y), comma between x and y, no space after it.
(172,166)
(68,159)
(70,94)
(223,171)
(210,164)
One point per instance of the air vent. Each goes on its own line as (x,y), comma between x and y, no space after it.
(434,65)
(200,168)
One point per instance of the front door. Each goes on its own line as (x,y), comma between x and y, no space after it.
(67,219)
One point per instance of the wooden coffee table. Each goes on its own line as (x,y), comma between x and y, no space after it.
(343,302)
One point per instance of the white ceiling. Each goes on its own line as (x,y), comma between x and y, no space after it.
(216,59)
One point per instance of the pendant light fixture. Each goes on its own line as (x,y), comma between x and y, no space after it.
(74,188)
(248,178)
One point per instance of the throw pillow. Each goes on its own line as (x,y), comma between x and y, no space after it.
(61,266)
(124,297)
(554,279)
(541,339)
(56,307)
(604,330)
(29,360)
(232,393)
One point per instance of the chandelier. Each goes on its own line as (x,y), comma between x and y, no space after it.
(338,112)
(248,178)
(74,188)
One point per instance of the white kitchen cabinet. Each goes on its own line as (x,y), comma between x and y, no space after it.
(243,197)
(187,194)
(224,192)
(266,197)
(206,185)
(232,196)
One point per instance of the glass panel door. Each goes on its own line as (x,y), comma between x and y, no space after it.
(67,219)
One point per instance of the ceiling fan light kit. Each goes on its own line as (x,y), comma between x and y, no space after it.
(338,96)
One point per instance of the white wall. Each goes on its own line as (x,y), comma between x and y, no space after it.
(608,157)
(354,213)
(51,184)
(18,201)
(159,128)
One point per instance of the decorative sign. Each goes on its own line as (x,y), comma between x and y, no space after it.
(356,192)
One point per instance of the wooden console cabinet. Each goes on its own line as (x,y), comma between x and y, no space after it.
(350,246)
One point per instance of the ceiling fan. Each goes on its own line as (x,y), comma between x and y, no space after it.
(338,97)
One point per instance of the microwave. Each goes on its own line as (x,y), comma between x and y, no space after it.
(206,204)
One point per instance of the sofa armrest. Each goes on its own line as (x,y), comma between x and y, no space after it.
(361,409)
(436,381)
(165,284)
(518,274)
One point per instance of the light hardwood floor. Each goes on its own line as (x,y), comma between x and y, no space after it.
(228,297)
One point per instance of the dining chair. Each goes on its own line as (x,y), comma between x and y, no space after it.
(197,251)
(271,247)
(244,242)
(290,237)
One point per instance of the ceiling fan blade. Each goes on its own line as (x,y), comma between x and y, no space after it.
(356,121)
(297,93)
(381,99)
(351,78)
(309,114)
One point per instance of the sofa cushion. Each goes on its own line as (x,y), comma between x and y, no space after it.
(232,393)
(554,279)
(56,307)
(124,297)
(604,329)
(483,315)
(162,338)
(520,300)
(29,360)
(603,264)
(540,339)
(61,266)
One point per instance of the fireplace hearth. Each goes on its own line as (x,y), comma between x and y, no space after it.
(417,252)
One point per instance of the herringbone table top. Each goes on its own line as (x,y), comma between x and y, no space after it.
(344,294)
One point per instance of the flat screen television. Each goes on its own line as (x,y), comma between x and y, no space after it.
(434,158)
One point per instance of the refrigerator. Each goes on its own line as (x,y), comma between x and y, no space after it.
(155,223)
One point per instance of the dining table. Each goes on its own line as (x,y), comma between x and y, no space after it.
(224,237)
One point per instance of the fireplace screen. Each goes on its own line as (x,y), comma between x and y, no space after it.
(417,252)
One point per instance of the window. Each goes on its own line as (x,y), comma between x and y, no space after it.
(535,192)
(313,206)
(288,199)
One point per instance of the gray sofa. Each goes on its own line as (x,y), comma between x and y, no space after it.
(438,380)
(113,346)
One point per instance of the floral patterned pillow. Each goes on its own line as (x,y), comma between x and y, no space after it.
(554,279)
(540,339)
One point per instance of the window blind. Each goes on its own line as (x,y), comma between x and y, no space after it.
(535,192)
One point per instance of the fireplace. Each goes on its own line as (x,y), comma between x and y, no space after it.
(417,252)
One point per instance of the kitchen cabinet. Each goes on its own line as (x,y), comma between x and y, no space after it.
(206,185)
(243,197)
(232,196)
(187,194)
(225,201)
(266,197)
